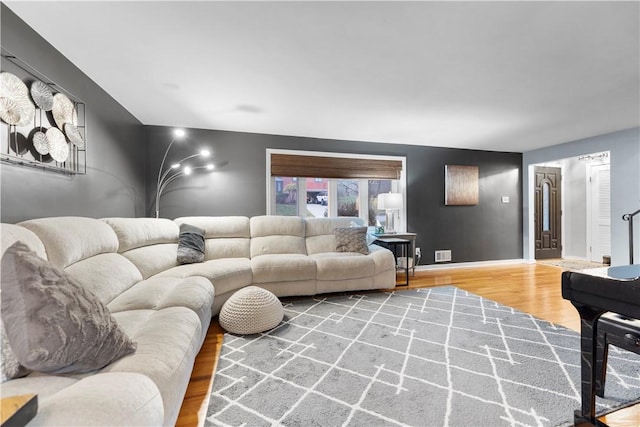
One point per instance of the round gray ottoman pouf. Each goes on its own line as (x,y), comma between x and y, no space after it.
(251,310)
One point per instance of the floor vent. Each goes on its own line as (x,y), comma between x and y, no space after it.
(443,256)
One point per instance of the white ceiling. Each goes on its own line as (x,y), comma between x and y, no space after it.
(505,76)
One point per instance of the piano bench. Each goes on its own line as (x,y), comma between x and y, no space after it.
(621,331)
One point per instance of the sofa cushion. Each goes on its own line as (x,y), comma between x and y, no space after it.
(168,342)
(53,324)
(134,233)
(225,236)
(114,399)
(11,233)
(228,247)
(68,240)
(269,245)
(383,260)
(105,276)
(319,233)
(272,234)
(225,274)
(282,268)
(151,244)
(190,244)
(277,225)
(153,259)
(349,265)
(351,239)
(194,293)
(346,285)
(219,227)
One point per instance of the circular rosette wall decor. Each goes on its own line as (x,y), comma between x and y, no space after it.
(13,89)
(42,96)
(41,143)
(74,135)
(64,111)
(9,111)
(58,147)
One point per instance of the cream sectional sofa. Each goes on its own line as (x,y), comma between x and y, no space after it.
(166,308)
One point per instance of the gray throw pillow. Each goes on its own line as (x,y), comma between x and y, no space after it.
(351,239)
(53,324)
(190,244)
(10,368)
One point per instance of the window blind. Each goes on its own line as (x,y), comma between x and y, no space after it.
(334,167)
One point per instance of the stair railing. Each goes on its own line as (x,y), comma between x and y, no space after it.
(629,217)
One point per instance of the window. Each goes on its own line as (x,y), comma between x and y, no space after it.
(545,207)
(374,188)
(333,196)
(286,196)
(347,197)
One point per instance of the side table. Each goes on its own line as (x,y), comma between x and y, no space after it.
(17,411)
(404,235)
(393,243)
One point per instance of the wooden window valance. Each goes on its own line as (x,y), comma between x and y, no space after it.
(334,167)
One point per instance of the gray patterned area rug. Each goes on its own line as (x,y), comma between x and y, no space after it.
(425,357)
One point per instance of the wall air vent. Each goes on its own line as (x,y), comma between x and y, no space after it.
(443,256)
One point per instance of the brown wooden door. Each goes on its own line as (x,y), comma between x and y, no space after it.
(547,212)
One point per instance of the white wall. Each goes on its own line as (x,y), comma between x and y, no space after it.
(624,148)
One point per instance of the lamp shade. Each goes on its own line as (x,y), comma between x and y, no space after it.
(390,201)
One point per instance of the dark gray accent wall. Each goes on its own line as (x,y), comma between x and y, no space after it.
(114,183)
(492,230)
(122,154)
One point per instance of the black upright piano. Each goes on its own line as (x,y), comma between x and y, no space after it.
(615,289)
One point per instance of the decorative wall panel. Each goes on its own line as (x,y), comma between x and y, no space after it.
(461,185)
(41,124)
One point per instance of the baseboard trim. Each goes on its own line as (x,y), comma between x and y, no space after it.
(472,264)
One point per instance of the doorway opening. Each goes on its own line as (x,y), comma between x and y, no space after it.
(575,227)
(599,212)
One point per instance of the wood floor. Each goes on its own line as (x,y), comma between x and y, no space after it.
(533,288)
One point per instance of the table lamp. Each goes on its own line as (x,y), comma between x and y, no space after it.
(390,202)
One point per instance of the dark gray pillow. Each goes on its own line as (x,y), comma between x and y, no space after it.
(10,368)
(53,324)
(190,244)
(351,239)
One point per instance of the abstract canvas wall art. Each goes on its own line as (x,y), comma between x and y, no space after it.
(461,185)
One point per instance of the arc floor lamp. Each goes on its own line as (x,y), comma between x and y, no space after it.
(177,169)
